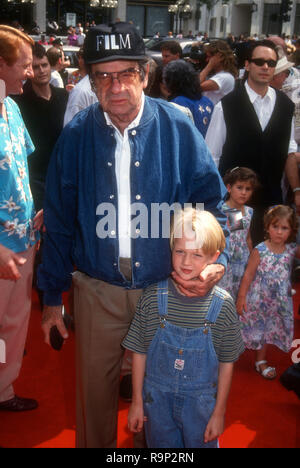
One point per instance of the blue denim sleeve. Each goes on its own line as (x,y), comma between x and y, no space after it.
(207,186)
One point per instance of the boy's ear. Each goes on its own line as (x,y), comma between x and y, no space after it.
(215,256)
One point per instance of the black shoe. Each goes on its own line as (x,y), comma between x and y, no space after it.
(290,379)
(18,404)
(296,274)
(126,388)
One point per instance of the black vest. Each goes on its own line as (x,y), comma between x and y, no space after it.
(247,145)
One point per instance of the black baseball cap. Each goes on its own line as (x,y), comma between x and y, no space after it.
(119,41)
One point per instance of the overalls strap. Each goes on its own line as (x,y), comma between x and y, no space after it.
(162,297)
(216,305)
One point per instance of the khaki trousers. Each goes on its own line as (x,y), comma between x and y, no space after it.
(15,307)
(103,314)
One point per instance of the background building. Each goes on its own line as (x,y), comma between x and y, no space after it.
(216,17)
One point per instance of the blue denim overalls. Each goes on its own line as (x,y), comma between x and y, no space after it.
(181,379)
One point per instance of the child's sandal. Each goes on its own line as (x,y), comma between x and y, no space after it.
(266,372)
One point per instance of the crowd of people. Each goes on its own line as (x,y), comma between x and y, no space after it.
(89,176)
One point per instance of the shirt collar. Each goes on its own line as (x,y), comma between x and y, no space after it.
(135,122)
(271,94)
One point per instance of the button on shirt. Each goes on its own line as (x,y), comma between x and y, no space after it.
(122,167)
(263,106)
(16,203)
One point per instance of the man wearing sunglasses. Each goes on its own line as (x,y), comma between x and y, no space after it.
(113,162)
(253,127)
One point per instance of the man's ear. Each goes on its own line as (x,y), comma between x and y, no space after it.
(247,63)
(2,62)
(145,83)
(2,90)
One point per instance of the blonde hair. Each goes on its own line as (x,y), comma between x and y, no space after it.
(207,232)
(10,43)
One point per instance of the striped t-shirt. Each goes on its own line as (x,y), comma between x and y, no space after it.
(187,312)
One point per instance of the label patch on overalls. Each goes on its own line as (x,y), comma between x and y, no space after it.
(179,364)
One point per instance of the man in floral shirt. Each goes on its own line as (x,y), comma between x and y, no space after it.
(18,223)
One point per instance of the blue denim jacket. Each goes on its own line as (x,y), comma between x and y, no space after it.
(170,162)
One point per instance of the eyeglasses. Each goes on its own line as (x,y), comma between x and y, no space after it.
(260,62)
(125,77)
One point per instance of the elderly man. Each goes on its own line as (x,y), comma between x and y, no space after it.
(252,127)
(114,165)
(18,222)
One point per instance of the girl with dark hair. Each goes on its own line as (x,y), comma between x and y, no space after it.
(240,182)
(182,82)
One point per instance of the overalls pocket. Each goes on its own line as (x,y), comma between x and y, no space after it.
(174,361)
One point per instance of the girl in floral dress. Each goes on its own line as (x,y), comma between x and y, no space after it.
(240,183)
(264,300)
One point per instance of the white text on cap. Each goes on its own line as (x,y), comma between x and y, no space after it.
(113,41)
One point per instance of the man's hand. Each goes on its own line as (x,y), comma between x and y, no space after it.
(52,315)
(9,263)
(38,220)
(209,277)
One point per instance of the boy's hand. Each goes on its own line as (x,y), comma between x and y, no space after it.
(136,417)
(214,429)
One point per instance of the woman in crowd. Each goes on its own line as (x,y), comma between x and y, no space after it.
(182,83)
(218,77)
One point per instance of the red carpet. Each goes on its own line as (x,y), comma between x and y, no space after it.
(261,413)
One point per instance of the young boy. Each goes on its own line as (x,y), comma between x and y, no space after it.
(184,348)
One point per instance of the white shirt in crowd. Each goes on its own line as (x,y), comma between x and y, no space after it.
(80,97)
(80,39)
(122,169)
(263,106)
(56,79)
(225,81)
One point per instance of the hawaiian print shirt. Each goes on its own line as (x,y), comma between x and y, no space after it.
(16,202)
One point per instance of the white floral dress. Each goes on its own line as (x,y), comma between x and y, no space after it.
(238,255)
(269,317)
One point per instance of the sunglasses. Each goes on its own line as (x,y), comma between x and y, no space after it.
(260,62)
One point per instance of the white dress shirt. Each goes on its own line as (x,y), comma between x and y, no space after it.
(122,168)
(263,106)
(80,98)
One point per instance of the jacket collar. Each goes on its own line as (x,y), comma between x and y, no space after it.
(148,114)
